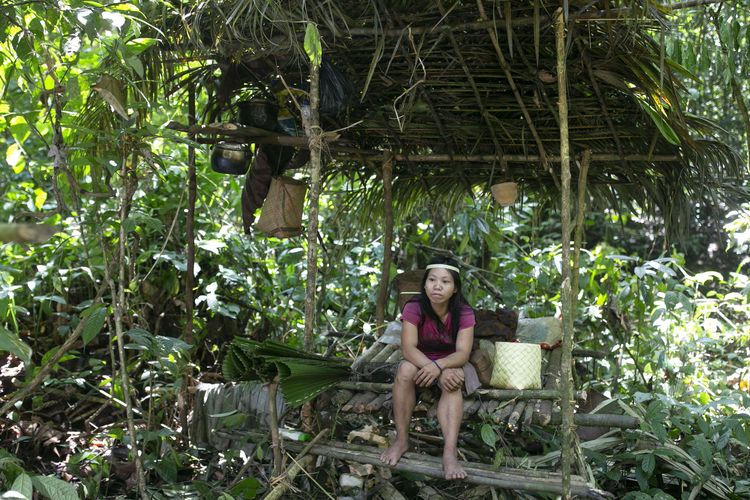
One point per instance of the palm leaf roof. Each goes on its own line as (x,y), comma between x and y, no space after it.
(465,93)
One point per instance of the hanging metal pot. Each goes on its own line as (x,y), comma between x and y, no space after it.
(231,158)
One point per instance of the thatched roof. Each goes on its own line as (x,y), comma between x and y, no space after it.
(465,93)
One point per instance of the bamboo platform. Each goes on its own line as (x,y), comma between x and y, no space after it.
(517,409)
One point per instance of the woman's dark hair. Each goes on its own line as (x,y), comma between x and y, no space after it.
(454,304)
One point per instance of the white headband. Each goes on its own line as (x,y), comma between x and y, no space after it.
(443,266)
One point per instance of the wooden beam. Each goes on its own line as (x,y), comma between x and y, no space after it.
(260,136)
(506,478)
(502,394)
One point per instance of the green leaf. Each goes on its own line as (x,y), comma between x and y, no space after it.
(247,488)
(14,157)
(488,435)
(53,488)
(135,64)
(22,486)
(94,318)
(12,343)
(138,45)
(648,463)
(40,196)
(313,47)
(666,130)
(19,129)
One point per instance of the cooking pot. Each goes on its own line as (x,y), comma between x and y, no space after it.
(231,158)
(258,113)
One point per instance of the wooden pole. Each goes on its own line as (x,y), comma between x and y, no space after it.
(120,309)
(507,478)
(273,388)
(301,462)
(566,382)
(192,187)
(580,215)
(252,135)
(311,123)
(387,241)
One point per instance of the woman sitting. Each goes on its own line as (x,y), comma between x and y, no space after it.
(436,341)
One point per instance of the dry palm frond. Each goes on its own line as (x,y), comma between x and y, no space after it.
(380,44)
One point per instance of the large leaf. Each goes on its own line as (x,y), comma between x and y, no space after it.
(666,130)
(94,321)
(313,47)
(22,488)
(54,489)
(12,343)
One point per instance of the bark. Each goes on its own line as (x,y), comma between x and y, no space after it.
(120,309)
(566,370)
(387,242)
(311,122)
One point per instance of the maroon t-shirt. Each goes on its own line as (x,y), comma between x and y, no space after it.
(434,342)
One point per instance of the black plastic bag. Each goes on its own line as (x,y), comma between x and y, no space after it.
(336,91)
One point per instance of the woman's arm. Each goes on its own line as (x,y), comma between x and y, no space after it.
(429,371)
(464,343)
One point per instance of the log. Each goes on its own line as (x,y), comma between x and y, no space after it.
(367,398)
(503,414)
(341,397)
(27,233)
(589,353)
(366,356)
(395,357)
(541,482)
(500,394)
(384,353)
(600,420)
(470,407)
(528,415)
(516,414)
(488,406)
(389,492)
(377,403)
(358,399)
(551,382)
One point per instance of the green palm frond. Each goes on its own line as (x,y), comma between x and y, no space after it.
(303,375)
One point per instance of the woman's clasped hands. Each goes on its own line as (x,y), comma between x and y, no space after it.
(428,374)
(451,379)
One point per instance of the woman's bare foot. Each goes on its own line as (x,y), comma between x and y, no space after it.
(452,469)
(393,454)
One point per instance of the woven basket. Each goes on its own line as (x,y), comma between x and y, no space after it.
(281,215)
(407,286)
(517,366)
(505,193)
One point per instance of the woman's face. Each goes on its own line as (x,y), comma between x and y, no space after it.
(439,286)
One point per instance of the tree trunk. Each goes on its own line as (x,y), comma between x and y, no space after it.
(387,242)
(566,384)
(311,122)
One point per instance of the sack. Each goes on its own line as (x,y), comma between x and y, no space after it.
(517,366)
(482,364)
(281,215)
(540,330)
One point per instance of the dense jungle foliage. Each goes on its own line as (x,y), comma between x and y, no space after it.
(672,317)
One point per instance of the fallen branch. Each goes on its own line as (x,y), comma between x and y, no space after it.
(291,472)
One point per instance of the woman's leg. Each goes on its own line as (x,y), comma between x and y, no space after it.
(450,414)
(404,399)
